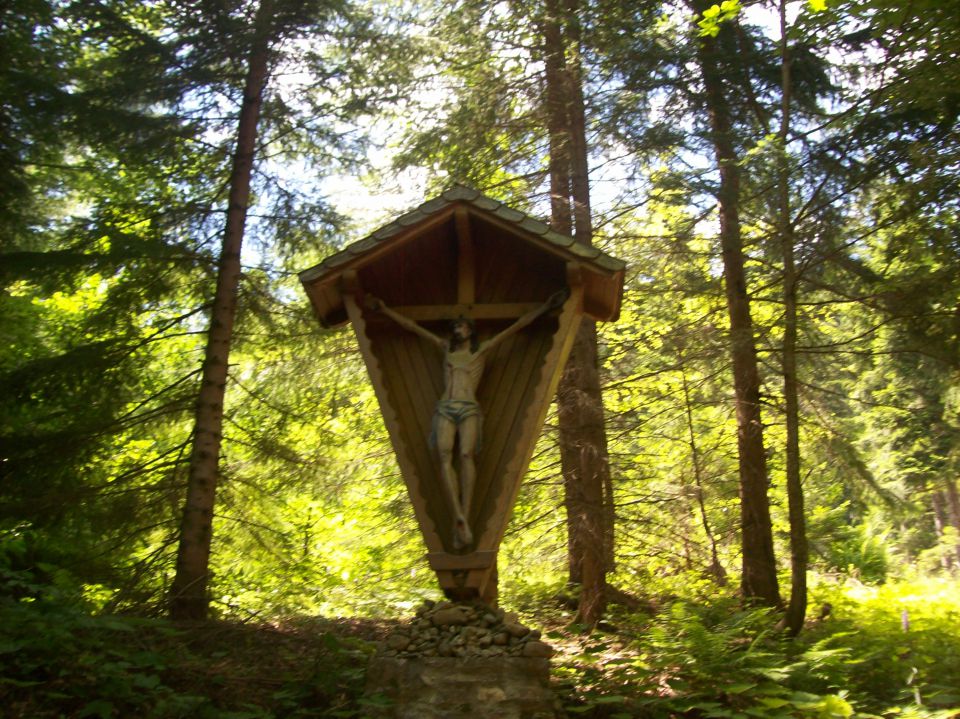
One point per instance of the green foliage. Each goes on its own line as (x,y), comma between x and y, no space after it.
(857,550)
(709,24)
(57,660)
(891,651)
(903,640)
(114,135)
(717,659)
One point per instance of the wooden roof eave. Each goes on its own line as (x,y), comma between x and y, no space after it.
(324,278)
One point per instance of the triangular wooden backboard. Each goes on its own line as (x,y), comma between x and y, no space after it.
(463,260)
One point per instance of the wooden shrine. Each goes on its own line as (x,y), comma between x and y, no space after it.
(465,255)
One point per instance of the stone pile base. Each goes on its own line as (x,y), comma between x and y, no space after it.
(461,688)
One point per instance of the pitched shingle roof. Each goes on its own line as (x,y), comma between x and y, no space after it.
(604,274)
(468,196)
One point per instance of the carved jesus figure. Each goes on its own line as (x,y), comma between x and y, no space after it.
(458,413)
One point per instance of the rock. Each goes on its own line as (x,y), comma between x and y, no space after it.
(537,649)
(463,688)
(427,605)
(515,629)
(449,616)
(398,642)
(464,630)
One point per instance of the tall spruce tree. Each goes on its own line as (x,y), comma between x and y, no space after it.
(96,279)
(582,433)
(759,569)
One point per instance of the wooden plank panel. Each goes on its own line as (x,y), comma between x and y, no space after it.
(387,248)
(421,272)
(418,408)
(524,366)
(486,311)
(423,490)
(424,387)
(534,274)
(492,394)
(532,423)
(466,264)
(529,368)
(517,362)
(474,560)
(426,372)
(379,380)
(504,283)
(435,268)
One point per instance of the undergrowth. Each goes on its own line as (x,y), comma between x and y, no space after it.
(891,651)
(58,660)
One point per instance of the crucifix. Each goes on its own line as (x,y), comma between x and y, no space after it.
(458,417)
(464,311)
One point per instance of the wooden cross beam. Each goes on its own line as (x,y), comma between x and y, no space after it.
(492,311)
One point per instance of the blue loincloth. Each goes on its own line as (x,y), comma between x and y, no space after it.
(457,411)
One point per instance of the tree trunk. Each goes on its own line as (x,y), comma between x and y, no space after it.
(584,462)
(558,125)
(716,567)
(561,219)
(759,578)
(953,510)
(188,594)
(941,520)
(583,450)
(797,608)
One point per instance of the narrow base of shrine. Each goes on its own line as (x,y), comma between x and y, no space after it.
(460,688)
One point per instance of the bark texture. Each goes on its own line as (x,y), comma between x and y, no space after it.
(799,551)
(953,508)
(188,594)
(583,447)
(759,575)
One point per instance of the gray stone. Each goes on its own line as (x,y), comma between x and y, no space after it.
(449,616)
(537,648)
(398,642)
(516,629)
(469,688)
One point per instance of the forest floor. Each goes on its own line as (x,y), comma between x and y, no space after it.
(292,667)
(890,652)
